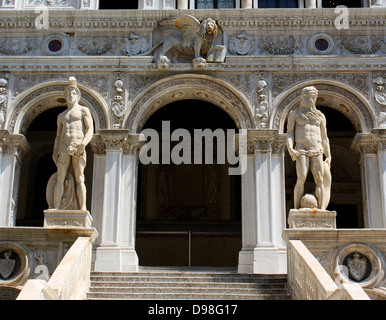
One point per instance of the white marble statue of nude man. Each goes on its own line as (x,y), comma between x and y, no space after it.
(307,142)
(74,132)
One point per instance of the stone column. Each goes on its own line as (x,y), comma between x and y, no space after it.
(366,145)
(108,254)
(127,219)
(99,153)
(310,4)
(246,4)
(380,137)
(182,4)
(263,212)
(12,147)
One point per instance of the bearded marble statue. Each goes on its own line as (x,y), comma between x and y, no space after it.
(307,143)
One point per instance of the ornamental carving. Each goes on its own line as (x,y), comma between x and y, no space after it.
(357,265)
(51,3)
(188,37)
(283,82)
(362,44)
(134,45)
(380,98)
(95,46)
(16,46)
(118,102)
(242,44)
(261,110)
(281,45)
(3,100)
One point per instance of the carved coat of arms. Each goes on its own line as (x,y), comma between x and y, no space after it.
(7,265)
(357,266)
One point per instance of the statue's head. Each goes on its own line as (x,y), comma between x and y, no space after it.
(309,96)
(72,92)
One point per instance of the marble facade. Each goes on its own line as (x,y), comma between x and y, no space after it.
(270,58)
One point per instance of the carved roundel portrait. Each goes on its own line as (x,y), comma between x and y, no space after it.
(55,45)
(321,44)
(14,268)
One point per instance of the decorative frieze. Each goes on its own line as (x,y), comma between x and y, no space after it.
(363,44)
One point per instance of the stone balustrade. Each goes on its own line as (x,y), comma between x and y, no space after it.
(336,264)
(70,281)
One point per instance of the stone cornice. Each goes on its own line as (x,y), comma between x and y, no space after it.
(228,19)
(141,64)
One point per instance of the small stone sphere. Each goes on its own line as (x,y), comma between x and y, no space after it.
(309,201)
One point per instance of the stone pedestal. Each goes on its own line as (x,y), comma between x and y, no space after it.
(67,218)
(312,218)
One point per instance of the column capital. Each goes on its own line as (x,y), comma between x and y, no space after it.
(265,140)
(133,143)
(119,139)
(380,137)
(365,143)
(114,139)
(13,144)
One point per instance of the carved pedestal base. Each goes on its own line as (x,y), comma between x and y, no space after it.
(67,218)
(312,218)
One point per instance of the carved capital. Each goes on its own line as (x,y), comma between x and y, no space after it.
(380,137)
(133,143)
(364,143)
(13,144)
(97,144)
(114,139)
(261,140)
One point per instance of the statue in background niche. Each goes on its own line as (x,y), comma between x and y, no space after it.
(307,142)
(74,132)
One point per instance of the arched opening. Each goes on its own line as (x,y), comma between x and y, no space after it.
(188,214)
(346,190)
(37,167)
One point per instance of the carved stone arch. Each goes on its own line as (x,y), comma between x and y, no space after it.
(48,95)
(331,94)
(189,86)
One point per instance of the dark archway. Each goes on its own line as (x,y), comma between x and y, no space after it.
(346,190)
(37,167)
(188,214)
